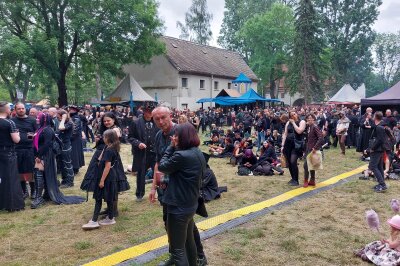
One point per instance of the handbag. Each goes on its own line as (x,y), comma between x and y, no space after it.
(299,145)
(201,206)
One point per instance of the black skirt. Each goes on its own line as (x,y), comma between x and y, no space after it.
(11,197)
(90,182)
(109,192)
(25,160)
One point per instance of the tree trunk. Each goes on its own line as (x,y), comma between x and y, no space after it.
(272,85)
(98,88)
(62,91)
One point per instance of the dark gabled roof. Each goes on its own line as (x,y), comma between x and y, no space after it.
(192,58)
(390,96)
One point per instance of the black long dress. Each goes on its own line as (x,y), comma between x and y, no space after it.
(365,135)
(78,159)
(89,180)
(45,153)
(11,197)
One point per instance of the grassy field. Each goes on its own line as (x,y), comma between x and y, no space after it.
(321,230)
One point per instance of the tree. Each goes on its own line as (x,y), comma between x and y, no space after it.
(120,31)
(269,37)
(308,69)
(197,23)
(387,57)
(236,13)
(348,31)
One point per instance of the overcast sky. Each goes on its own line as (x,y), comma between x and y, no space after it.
(172,11)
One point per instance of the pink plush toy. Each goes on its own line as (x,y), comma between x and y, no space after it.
(395,205)
(372,219)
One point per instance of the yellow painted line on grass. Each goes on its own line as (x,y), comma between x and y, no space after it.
(135,251)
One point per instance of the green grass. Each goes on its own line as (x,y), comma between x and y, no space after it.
(58,227)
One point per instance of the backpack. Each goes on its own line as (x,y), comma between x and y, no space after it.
(242,170)
(391,140)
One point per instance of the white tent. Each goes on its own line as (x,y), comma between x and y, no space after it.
(127,87)
(361,91)
(345,95)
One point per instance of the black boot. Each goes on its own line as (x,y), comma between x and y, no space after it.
(39,186)
(33,190)
(24,190)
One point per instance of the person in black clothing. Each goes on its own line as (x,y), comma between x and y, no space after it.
(142,133)
(185,165)
(293,145)
(390,120)
(108,121)
(376,150)
(366,125)
(45,172)
(26,161)
(161,116)
(11,197)
(249,160)
(261,127)
(64,132)
(78,159)
(247,122)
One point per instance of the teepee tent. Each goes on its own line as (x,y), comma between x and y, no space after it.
(346,95)
(128,90)
(361,91)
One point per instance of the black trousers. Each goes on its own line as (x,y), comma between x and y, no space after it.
(148,162)
(376,166)
(67,173)
(97,209)
(196,234)
(181,239)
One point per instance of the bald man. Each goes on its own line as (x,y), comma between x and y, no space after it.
(162,118)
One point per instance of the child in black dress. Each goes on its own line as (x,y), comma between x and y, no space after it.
(106,180)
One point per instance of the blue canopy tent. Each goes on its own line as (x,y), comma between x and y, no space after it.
(242,78)
(249,97)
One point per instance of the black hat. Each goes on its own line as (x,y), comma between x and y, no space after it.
(148,106)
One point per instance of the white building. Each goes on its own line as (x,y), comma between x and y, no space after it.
(190,71)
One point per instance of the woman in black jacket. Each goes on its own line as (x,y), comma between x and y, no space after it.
(185,165)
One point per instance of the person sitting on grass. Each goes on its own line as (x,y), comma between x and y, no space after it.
(249,160)
(385,251)
(216,145)
(106,180)
(268,154)
(224,151)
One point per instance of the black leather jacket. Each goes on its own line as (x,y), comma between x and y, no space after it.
(185,169)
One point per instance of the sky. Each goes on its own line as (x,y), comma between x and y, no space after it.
(171,11)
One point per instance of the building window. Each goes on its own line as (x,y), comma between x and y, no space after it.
(229,85)
(184,82)
(216,85)
(282,95)
(184,106)
(202,84)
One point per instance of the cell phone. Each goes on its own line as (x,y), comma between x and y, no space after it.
(30,136)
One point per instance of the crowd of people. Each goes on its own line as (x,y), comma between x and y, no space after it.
(37,145)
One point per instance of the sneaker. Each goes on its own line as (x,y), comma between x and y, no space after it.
(107,221)
(251,173)
(381,189)
(293,183)
(375,187)
(90,225)
(139,199)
